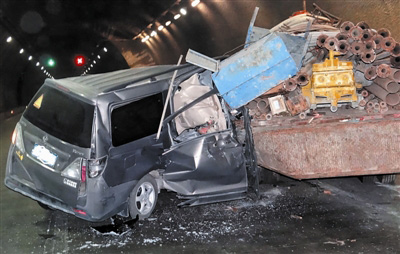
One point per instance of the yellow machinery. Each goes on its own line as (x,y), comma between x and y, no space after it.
(332,83)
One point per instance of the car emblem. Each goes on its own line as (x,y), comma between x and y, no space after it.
(45,138)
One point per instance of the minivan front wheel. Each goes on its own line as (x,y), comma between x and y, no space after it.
(143,198)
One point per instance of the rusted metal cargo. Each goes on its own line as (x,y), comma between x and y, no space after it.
(348,143)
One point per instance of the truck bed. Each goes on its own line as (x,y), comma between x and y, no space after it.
(346,143)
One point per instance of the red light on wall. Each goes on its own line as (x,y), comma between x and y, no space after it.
(80,60)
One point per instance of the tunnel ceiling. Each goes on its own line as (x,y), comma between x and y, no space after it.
(62,29)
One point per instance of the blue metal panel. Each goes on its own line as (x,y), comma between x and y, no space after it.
(254,70)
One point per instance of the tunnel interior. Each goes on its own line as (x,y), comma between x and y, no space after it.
(110,35)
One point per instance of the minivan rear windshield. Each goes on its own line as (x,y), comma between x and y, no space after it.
(61,115)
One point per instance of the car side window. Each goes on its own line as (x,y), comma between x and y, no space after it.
(136,120)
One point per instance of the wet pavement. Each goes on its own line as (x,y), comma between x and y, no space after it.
(339,215)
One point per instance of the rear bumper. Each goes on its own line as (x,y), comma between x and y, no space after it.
(99,208)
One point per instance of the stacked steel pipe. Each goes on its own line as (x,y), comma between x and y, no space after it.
(376,54)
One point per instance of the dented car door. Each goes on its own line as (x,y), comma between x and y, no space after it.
(203,162)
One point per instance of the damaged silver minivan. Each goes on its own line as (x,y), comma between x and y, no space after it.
(87,145)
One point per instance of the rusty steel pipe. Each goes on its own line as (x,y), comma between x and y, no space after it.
(395,75)
(395,61)
(388,44)
(252,104)
(321,40)
(382,55)
(262,105)
(363,25)
(356,48)
(377,91)
(393,99)
(367,35)
(302,79)
(356,33)
(368,57)
(371,103)
(376,106)
(383,70)
(370,73)
(388,84)
(377,38)
(390,98)
(362,67)
(369,46)
(384,32)
(343,46)
(331,43)
(364,93)
(346,26)
(342,36)
(383,109)
(290,84)
(383,104)
(396,50)
(364,101)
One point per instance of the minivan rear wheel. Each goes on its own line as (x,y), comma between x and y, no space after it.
(143,198)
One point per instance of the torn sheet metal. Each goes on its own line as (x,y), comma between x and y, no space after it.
(201,60)
(211,167)
(207,114)
(254,70)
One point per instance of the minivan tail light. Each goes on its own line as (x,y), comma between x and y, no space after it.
(96,166)
(73,171)
(16,138)
(83,171)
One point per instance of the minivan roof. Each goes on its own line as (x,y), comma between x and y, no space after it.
(91,86)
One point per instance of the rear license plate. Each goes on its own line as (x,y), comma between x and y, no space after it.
(44,155)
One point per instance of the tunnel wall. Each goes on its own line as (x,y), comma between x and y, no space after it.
(215,27)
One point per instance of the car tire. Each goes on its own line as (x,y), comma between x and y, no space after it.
(143,198)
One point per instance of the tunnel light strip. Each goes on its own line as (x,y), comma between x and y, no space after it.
(182,11)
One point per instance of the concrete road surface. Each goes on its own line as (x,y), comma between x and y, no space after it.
(318,216)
